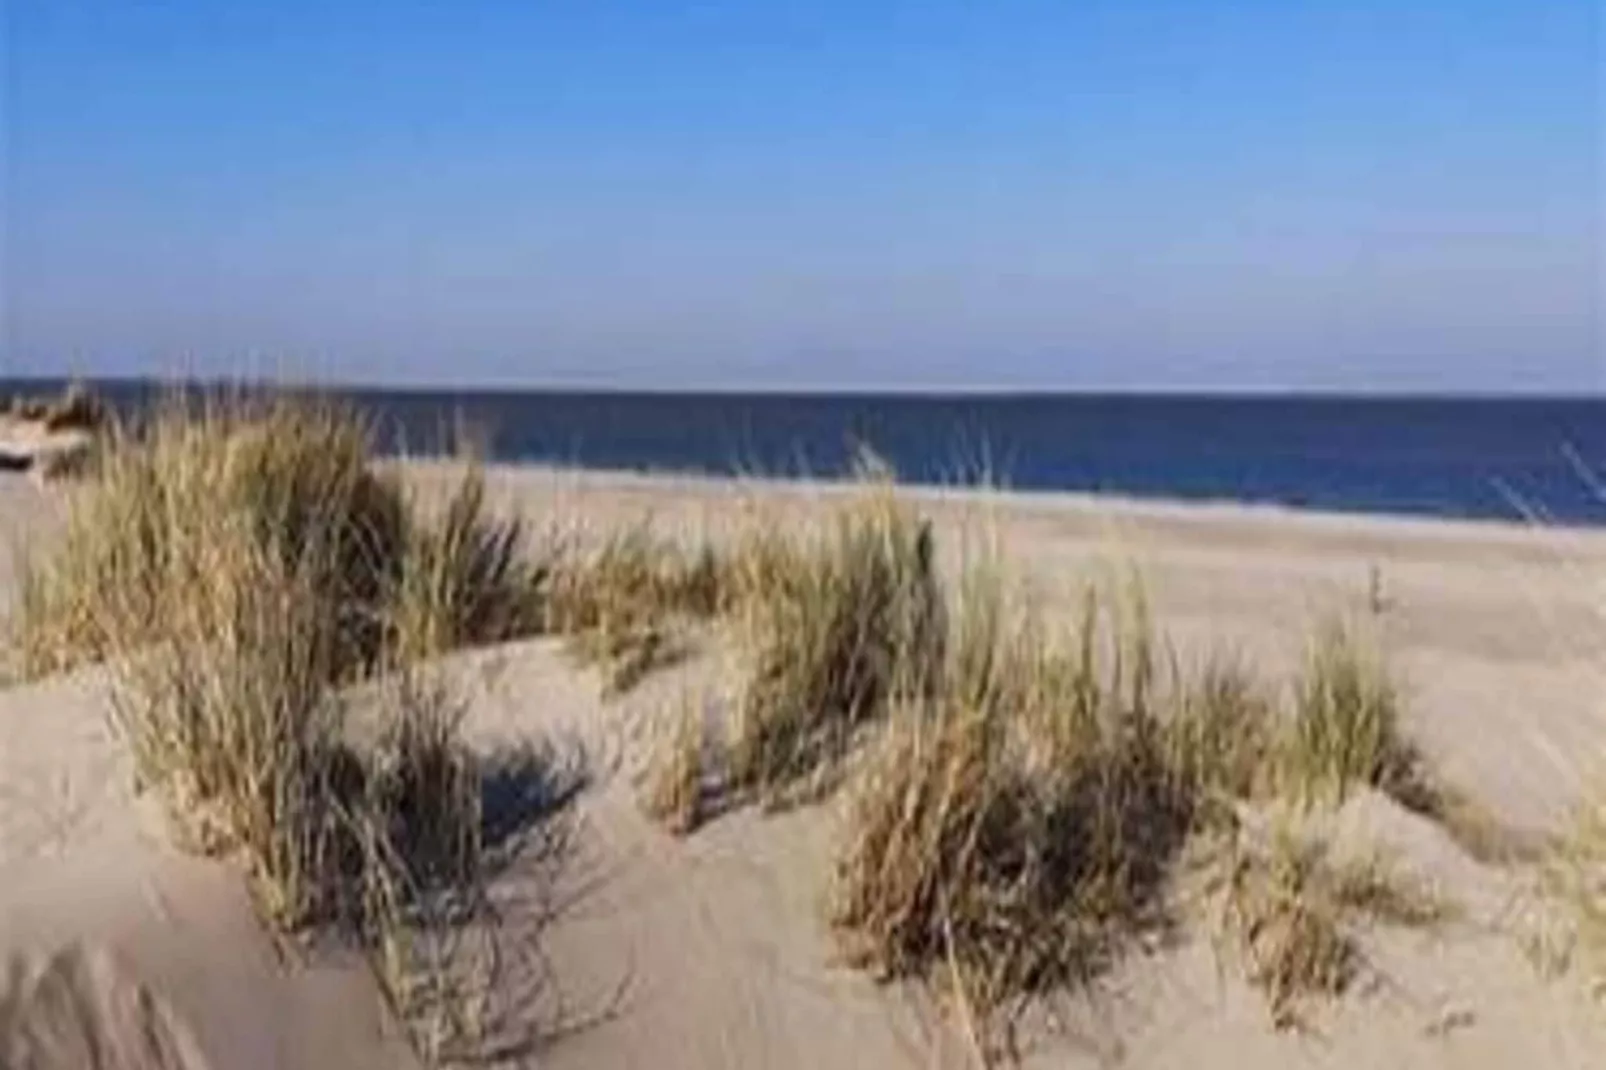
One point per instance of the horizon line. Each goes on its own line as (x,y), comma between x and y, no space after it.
(887,390)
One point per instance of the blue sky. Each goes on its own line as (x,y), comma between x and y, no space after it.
(1282,195)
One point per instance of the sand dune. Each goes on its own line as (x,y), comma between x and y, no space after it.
(80,1007)
(626,947)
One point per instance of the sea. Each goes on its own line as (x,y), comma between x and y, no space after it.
(1520,459)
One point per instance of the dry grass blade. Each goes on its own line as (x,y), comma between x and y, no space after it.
(1281,909)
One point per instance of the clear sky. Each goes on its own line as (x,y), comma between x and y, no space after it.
(1292,194)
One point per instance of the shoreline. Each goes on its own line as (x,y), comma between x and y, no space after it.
(1046,500)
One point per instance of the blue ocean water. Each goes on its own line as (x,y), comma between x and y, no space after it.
(1455,457)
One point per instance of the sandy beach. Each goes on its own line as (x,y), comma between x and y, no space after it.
(710,951)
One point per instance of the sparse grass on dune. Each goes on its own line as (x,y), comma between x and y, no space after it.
(1018,801)
(272,473)
(1014,829)
(239,566)
(1347,732)
(1294,911)
(1020,830)
(1346,728)
(675,780)
(1017,805)
(835,632)
(1574,878)
(622,600)
(293,476)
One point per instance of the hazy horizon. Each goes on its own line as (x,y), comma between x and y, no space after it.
(226,380)
(936,198)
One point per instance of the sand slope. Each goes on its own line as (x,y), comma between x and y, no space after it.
(711,951)
(105,928)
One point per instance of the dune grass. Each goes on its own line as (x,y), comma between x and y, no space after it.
(259,594)
(1017,797)
(291,477)
(676,777)
(1012,830)
(268,476)
(1294,911)
(624,601)
(469,578)
(1346,729)
(1347,733)
(1573,872)
(1018,800)
(835,631)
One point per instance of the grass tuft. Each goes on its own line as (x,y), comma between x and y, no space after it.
(1294,912)
(471,577)
(837,629)
(1574,872)
(1013,830)
(265,475)
(1222,737)
(673,792)
(239,566)
(1346,729)
(622,602)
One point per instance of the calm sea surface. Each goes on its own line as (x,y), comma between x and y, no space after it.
(1484,458)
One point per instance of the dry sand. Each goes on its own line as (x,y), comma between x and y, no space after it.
(630,948)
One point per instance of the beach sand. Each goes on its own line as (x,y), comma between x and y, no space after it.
(711,952)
